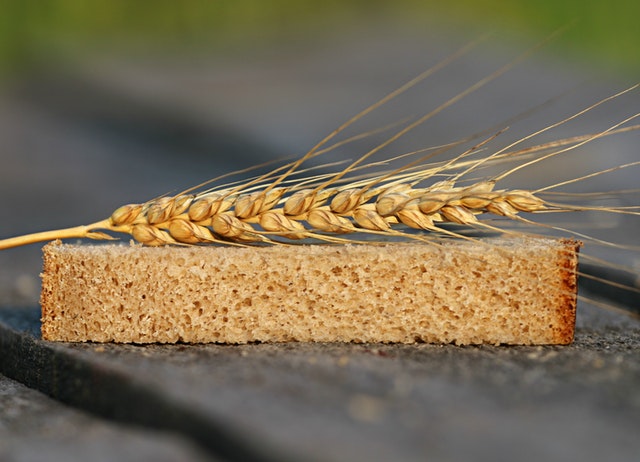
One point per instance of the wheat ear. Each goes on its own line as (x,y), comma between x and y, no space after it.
(268,214)
(277,207)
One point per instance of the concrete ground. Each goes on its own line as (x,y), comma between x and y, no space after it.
(79,142)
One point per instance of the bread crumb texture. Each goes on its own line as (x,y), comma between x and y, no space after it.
(511,291)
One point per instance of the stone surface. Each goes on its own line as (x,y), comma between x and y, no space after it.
(35,428)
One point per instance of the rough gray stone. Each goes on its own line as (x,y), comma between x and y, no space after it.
(35,428)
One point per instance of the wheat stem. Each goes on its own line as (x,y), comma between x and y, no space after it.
(77,232)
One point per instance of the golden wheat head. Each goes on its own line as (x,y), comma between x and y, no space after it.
(423,199)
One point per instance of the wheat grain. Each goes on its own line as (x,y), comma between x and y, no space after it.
(259,215)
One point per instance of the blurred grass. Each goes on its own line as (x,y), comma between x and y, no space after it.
(37,31)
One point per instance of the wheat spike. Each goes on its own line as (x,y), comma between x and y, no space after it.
(281,208)
(263,215)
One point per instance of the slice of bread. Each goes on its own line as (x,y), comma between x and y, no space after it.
(509,291)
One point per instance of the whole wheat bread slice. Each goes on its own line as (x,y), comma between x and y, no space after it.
(511,291)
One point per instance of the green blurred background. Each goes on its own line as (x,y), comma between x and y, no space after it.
(36,32)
